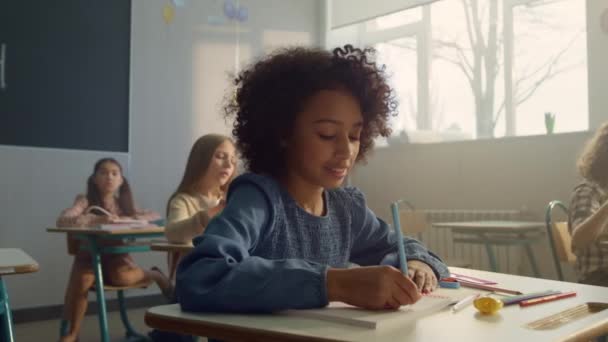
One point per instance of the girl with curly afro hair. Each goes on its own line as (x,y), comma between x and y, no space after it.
(302,119)
(588,212)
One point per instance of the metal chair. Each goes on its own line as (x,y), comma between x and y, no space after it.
(559,238)
(73,245)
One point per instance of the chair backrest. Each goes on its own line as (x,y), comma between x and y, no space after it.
(563,242)
(73,244)
(559,237)
(412,221)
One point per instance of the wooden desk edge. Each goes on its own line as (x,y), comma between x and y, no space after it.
(459,225)
(222,331)
(598,329)
(168,247)
(98,231)
(22,269)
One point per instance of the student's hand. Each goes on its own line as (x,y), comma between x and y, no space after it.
(423,275)
(216,210)
(374,287)
(103,219)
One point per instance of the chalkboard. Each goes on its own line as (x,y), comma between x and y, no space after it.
(64,73)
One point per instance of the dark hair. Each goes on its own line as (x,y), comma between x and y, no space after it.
(271,92)
(198,162)
(593,162)
(125,196)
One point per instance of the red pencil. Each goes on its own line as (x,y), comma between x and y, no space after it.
(547,298)
(488,288)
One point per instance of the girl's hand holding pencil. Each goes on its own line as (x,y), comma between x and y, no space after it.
(373,287)
(422,275)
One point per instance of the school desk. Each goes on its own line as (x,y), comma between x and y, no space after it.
(175,249)
(171,247)
(465,325)
(12,261)
(503,233)
(92,238)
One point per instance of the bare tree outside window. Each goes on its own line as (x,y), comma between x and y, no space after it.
(490,57)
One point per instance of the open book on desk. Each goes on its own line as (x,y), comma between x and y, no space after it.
(375,319)
(125,224)
(120,223)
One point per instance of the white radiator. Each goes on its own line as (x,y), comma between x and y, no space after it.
(439,240)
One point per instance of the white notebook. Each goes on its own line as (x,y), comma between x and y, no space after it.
(125,224)
(118,224)
(343,313)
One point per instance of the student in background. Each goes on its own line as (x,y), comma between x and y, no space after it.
(588,213)
(106,188)
(303,118)
(201,193)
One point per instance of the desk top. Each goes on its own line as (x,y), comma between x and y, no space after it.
(493,225)
(171,247)
(99,231)
(16,261)
(465,325)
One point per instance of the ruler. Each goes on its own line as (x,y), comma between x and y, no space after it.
(567,316)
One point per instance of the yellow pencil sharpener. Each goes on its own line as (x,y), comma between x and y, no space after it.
(488,305)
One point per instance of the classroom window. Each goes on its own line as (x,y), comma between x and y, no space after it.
(470,69)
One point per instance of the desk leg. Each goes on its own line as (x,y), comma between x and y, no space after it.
(7,321)
(532,260)
(131,334)
(99,291)
(491,257)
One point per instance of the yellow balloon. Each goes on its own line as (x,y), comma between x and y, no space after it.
(488,305)
(168,13)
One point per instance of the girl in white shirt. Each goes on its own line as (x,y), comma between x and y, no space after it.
(200,195)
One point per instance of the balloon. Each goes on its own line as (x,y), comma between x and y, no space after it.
(168,13)
(230,10)
(243,14)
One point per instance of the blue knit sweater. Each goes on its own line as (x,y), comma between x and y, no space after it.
(265,253)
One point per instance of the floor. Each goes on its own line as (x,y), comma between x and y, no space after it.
(42,331)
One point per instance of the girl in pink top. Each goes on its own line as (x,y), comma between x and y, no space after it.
(108,189)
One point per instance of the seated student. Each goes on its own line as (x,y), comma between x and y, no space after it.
(201,192)
(588,213)
(303,118)
(108,189)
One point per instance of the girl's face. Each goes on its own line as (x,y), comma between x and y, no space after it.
(222,164)
(325,140)
(108,178)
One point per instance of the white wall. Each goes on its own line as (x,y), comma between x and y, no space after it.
(36,184)
(597,45)
(508,173)
(178,76)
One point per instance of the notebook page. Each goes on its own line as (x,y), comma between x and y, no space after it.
(374,319)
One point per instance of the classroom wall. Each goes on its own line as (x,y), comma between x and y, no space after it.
(509,173)
(178,77)
(35,185)
(597,42)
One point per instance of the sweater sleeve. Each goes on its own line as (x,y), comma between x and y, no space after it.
(182,226)
(75,216)
(585,202)
(376,243)
(222,275)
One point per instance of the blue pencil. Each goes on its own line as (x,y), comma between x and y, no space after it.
(397,226)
